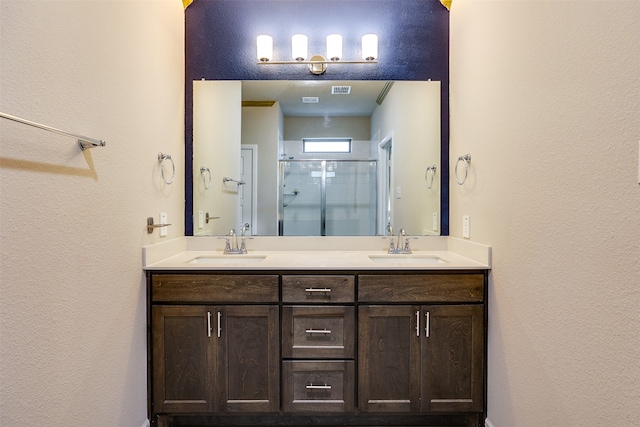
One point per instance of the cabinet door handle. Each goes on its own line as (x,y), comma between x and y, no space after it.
(426,328)
(318,387)
(219,323)
(417,323)
(318,331)
(209,324)
(318,290)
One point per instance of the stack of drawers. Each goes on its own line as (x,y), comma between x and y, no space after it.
(318,342)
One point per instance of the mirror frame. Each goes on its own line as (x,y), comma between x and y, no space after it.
(220,40)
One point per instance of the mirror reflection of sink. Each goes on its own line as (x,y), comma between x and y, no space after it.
(227,260)
(406,259)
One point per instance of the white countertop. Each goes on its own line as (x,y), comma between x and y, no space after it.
(311,253)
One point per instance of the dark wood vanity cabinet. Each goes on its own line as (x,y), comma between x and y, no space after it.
(214,358)
(363,348)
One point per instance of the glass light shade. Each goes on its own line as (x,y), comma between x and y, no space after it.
(334,46)
(265,48)
(369,47)
(299,47)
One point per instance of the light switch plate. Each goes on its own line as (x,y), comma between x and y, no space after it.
(435,221)
(163,220)
(200,219)
(466,232)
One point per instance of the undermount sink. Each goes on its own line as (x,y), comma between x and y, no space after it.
(227,260)
(406,259)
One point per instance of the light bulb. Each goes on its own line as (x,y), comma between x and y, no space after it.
(265,48)
(334,47)
(299,47)
(369,47)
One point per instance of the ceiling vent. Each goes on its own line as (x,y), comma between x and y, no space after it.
(340,90)
(310,99)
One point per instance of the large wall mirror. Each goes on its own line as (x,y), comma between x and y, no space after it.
(316,158)
(365,162)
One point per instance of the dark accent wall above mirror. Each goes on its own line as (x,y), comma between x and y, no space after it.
(220,44)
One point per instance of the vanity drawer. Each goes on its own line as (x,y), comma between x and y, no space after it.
(219,288)
(421,288)
(318,386)
(318,288)
(318,332)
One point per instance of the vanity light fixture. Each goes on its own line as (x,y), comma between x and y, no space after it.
(317,63)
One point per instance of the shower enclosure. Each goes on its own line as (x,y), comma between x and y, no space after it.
(327,198)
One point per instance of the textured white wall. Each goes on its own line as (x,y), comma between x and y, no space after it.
(545,96)
(72,223)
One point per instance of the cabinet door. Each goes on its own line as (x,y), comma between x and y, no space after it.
(248,358)
(389,359)
(453,358)
(183,370)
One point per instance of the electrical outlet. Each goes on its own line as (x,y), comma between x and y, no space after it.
(163,220)
(435,221)
(466,231)
(200,219)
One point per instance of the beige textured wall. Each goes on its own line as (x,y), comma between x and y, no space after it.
(72,224)
(217,115)
(411,115)
(261,126)
(545,96)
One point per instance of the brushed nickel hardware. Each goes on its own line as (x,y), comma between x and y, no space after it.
(318,290)
(466,159)
(151,225)
(227,179)
(207,182)
(83,141)
(209,324)
(231,245)
(429,176)
(318,387)
(210,218)
(417,323)
(161,159)
(426,328)
(318,331)
(219,323)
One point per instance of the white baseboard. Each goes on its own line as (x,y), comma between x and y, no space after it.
(488,423)
(146,424)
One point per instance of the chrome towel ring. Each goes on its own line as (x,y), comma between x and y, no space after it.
(466,159)
(429,176)
(207,182)
(161,159)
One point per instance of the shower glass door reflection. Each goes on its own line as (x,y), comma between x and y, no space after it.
(327,198)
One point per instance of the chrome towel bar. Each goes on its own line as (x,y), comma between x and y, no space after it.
(83,141)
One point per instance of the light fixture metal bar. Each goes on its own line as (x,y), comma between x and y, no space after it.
(315,62)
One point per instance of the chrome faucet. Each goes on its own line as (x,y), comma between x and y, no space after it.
(402,246)
(231,245)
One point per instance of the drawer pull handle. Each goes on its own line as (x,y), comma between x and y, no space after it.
(318,331)
(318,290)
(209,324)
(318,387)
(417,323)
(219,324)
